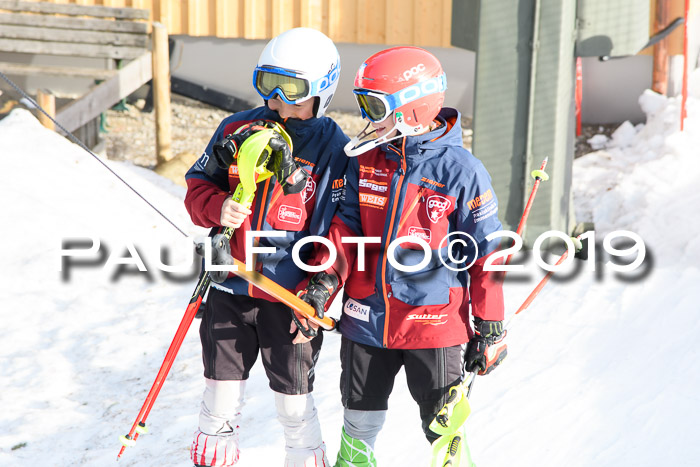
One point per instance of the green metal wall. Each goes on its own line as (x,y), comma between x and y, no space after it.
(524,95)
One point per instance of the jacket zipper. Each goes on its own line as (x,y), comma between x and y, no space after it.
(385,294)
(410,210)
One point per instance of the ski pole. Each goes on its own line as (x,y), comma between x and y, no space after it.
(538,288)
(252,161)
(539,175)
(139,426)
(443,418)
(242,194)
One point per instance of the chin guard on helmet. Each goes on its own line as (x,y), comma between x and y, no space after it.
(364,141)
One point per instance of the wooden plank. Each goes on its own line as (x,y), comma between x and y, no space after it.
(334,20)
(399,23)
(371,21)
(659,80)
(256,19)
(74,10)
(325,17)
(142,4)
(105,95)
(173,18)
(21,69)
(347,18)
(67,49)
(282,16)
(446,39)
(429,32)
(20,19)
(310,14)
(73,35)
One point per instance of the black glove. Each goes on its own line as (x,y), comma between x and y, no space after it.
(292,177)
(486,349)
(319,290)
(224,152)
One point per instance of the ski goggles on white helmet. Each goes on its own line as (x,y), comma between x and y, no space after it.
(292,87)
(376,106)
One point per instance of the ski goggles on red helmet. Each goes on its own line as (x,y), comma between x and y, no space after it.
(292,87)
(376,106)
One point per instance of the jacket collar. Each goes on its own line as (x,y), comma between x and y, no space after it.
(300,128)
(449,133)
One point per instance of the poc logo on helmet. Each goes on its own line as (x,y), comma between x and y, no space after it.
(413,70)
(424,88)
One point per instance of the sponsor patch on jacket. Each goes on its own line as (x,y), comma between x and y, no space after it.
(304,162)
(485,212)
(373,171)
(356,310)
(381,187)
(338,190)
(432,182)
(372,200)
(289,214)
(436,206)
(428,319)
(420,232)
(309,190)
(480,200)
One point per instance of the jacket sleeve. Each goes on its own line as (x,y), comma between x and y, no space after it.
(346,223)
(206,193)
(486,291)
(478,217)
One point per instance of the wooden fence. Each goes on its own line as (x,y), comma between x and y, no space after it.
(415,22)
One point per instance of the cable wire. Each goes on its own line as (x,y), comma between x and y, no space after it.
(77,141)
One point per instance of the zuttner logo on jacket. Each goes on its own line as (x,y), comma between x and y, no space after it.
(436,207)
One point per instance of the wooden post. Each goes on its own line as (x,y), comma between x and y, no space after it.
(161,93)
(684,90)
(46,101)
(660,73)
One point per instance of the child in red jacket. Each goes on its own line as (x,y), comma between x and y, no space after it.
(430,206)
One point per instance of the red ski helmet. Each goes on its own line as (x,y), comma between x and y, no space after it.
(408,81)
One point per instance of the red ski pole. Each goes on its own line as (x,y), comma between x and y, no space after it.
(545,279)
(465,387)
(539,175)
(139,426)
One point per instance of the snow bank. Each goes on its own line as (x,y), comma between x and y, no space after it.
(603,369)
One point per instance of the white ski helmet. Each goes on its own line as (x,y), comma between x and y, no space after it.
(297,65)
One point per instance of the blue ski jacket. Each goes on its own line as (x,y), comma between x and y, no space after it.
(318,147)
(425,187)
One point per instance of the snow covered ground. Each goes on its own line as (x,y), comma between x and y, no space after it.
(603,368)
